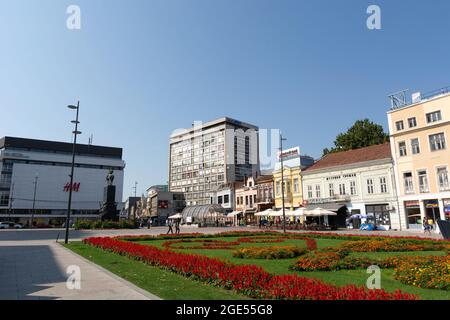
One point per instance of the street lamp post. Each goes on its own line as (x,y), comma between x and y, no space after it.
(75,133)
(34,200)
(282,181)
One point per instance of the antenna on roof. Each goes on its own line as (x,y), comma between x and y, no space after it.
(398,99)
(91,139)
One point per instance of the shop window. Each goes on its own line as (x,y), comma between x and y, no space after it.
(378,214)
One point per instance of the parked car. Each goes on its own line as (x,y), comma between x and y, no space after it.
(10,225)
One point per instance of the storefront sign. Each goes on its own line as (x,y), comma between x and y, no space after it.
(412,204)
(289,153)
(75,187)
(431,204)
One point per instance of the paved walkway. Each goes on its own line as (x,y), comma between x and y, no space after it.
(37,270)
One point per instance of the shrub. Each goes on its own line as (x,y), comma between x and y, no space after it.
(275,252)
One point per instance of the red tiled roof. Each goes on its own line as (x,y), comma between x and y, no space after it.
(376,152)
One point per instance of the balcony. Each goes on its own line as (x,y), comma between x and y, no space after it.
(265,200)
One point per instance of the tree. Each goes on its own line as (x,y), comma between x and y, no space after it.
(363,133)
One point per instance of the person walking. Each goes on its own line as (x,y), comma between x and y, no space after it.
(170,224)
(177,226)
(426,226)
(149,223)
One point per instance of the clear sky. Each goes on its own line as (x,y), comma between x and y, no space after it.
(144,68)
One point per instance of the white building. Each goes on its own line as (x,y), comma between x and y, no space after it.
(211,154)
(361,181)
(26,163)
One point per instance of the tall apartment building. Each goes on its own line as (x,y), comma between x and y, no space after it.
(211,154)
(419,133)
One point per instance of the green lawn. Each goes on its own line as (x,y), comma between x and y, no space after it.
(341,277)
(164,284)
(168,285)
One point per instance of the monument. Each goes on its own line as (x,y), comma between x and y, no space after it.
(109,211)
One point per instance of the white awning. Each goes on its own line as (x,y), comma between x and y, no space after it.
(264,213)
(233,214)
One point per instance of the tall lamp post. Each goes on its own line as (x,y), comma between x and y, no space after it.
(75,133)
(34,200)
(282,181)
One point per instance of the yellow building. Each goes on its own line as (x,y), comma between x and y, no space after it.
(293,165)
(419,133)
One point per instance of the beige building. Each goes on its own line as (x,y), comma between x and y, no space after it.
(419,133)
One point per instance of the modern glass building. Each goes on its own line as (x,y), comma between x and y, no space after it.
(211,154)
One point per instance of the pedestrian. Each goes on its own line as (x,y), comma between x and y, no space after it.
(431,223)
(170,224)
(177,226)
(149,223)
(426,226)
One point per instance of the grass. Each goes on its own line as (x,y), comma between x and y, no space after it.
(168,285)
(341,277)
(164,284)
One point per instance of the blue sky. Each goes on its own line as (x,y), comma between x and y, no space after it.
(144,68)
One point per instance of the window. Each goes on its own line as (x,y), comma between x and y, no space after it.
(402,148)
(226,198)
(353,188)
(331,189)
(412,122)
(415,147)
(295,185)
(237,200)
(317,191)
(4,198)
(399,125)
(278,186)
(369,186)
(342,189)
(219,199)
(246,201)
(437,142)
(383,185)
(442,174)
(433,116)
(423,181)
(408,182)
(310,192)
(288,187)
(254,198)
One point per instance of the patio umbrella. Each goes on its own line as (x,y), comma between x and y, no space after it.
(300,212)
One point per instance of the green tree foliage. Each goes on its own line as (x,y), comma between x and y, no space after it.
(363,133)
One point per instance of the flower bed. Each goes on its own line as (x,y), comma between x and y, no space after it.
(391,245)
(249,280)
(208,244)
(275,252)
(425,272)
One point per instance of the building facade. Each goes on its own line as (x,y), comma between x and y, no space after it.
(419,134)
(161,204)
(293,164)
(354,182)
(224,195)
(35,174)
(211,154)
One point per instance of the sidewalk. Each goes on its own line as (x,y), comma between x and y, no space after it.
(37,270)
